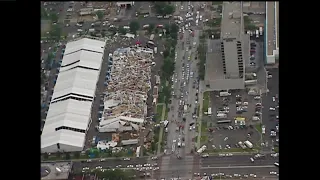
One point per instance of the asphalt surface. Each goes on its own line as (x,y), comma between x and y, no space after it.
(112,163)
(184,88)
(236,160)
(268,121)
(260,172)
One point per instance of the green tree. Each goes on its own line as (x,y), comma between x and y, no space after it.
(168,68)
(55,32)
(122,30)
(174,28)
(159,7)
(134,26)
(156,30)
(100,15)
(45,156)
(44,14)
(168,9)
(54,17)
(166,53)
(77,155)
(167,28)
(68,156)
(151,28)
(58,154)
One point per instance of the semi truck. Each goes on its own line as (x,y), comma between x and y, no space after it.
(250,82)
(248,144)
(221,116)
(203,148)
(260,31)
(242,145)
(223,94)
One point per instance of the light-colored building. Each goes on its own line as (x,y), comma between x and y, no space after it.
(272,32)
(55,171)
(228,57)
(124,3)
(69,114)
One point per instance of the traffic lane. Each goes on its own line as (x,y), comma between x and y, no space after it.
(268,120)
(112,163)
(239,160)
(259,171)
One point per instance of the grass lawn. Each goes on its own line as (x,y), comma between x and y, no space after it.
(159,113)
(259,128)
(205,106)
(203,139)
(204,126)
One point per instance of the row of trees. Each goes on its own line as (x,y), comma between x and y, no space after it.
(168,62)
(163,8)
(202,57)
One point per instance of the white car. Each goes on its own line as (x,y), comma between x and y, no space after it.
(205,155)
(181,8)
(272,109)
(222,155)
(273,99)
(229,154)
(273,173)
(126,159)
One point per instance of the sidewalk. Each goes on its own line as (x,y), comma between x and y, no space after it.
(161,128)
(199,120)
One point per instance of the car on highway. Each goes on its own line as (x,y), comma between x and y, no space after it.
(126,159)
(205,155)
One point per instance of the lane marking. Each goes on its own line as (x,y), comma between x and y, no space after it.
(241,167)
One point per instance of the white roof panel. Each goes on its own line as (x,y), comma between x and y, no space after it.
(85,43)
(73,113)
(78,80)
(87,59)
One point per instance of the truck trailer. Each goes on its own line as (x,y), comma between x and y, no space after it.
(248,144)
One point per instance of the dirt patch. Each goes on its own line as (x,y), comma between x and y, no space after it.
(45,27)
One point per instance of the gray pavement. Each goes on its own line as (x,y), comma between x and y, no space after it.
(112,163)
(236,160)
(184,88)
(268,120)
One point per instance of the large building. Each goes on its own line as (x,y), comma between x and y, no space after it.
(69,114)
(272,32)
(228,57)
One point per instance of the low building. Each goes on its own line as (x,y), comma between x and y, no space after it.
(130,142)
(55,171)
(69,114)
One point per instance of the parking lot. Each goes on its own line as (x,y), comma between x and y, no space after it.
(237,125)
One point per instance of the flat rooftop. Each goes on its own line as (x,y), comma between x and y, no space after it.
(129,83)
(214,67)
(231,20)
(277,19)
(270,28)
(53,171)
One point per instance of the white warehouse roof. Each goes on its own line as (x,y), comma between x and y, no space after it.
(69,114)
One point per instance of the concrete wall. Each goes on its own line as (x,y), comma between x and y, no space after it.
(63,147)
(225,84)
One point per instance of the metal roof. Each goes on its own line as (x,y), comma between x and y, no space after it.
(70,107)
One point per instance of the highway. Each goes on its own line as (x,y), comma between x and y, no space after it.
(185,85)
(238,160)
(259,171)
(112,163)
